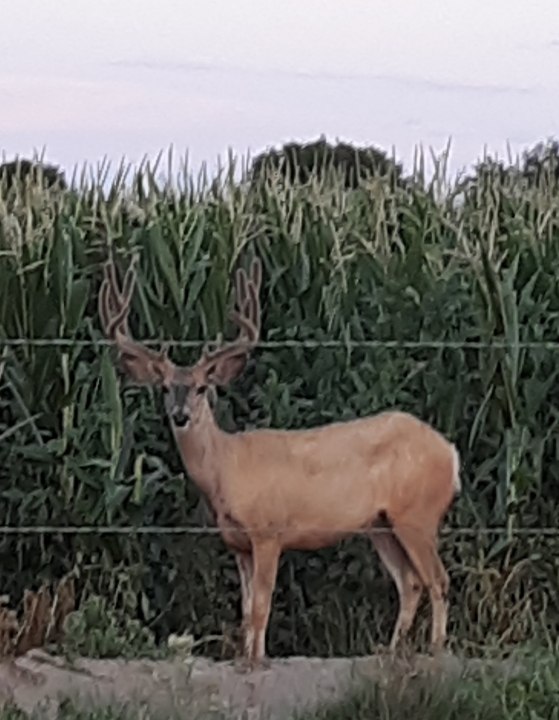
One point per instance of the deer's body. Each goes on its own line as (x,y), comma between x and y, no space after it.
(389,475)
(309,488)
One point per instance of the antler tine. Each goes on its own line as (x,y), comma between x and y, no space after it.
(249,333)
(256,273)
(104,310)
(118,323)
(109,299)
(241,293)
(129,280)
(247,317)
(112,300)
(126,295)
(112,280)
(253,288)
(254,291)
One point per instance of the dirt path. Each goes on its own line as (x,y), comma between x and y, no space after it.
(196,686)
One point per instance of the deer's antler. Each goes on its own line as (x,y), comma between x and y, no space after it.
(140,362)
(226,361)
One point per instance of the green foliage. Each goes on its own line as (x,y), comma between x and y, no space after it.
(300,162)
(462,287)
(96,630)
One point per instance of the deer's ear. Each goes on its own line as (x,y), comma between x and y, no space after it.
(144,366)
(221,370)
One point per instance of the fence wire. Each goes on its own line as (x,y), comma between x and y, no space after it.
(277,344)
(211,530)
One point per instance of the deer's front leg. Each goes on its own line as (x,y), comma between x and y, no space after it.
(265,557)
(244,565)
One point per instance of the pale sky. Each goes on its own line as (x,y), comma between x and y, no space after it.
(126,78)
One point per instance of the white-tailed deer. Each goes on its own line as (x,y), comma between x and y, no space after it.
(389,475)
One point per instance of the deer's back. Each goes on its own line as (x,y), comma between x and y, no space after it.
(338,477)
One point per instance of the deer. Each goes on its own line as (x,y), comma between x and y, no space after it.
(389,475)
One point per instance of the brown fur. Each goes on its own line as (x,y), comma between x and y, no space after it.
(389,475)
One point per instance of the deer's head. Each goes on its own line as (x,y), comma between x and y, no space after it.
(185,388)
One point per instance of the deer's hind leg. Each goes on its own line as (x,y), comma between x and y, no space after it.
(421,548)
(406,579)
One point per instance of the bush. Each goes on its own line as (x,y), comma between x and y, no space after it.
(40,173)
(342,163)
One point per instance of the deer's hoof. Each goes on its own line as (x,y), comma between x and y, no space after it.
(399,650)
(437,649)
(263,663)
(244,665)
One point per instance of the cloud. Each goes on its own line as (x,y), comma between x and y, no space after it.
(186,67)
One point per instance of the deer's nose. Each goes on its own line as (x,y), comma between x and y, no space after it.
(180,418)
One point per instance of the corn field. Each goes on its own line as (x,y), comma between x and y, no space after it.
(436,297)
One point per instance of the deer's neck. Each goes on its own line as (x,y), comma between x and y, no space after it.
(202,446)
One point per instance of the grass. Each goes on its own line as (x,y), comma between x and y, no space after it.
(525,690)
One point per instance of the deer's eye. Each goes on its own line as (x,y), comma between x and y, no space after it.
(201,390)
(165,390)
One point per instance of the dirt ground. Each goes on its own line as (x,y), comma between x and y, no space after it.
(196,687)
